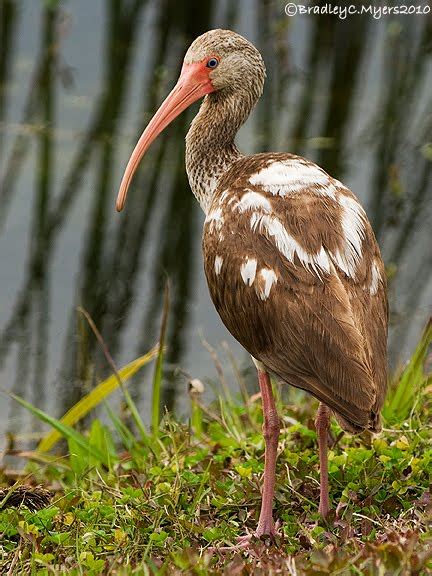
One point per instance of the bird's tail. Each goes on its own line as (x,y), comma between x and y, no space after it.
(374,424)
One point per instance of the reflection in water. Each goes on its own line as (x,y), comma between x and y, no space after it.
(352,95)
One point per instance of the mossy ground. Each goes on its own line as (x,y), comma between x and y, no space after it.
(159,505)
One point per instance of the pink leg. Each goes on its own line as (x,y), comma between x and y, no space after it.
(271,431)
(322,423)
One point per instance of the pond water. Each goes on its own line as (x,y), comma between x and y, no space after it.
(78,82)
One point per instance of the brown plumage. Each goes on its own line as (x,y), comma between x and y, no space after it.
(313,332)
(291,260)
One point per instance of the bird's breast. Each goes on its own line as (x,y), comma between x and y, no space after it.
(248,276)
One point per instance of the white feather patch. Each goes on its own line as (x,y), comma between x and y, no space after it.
(352,222)
(376,277)
(288,246)
(224,195)
(248,271)
(214,220)
(269,278)
(218,264)
(253,201)
(258,365)
(291,176)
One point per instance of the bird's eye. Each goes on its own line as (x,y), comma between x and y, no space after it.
(212,63)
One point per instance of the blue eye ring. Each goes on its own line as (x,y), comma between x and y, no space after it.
(212,62)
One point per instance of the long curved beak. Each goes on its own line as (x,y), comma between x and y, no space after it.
(193,84)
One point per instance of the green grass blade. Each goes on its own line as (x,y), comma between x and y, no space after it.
(157,378)
(131,404)
(136,416)
(95,397)
(127,438)
(411,381)
(196,417)
(64,430)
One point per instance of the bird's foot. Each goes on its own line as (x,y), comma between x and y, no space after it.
(256,541)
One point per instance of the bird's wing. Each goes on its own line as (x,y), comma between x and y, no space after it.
(296,275)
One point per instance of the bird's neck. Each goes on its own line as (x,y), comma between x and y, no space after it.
(210,147)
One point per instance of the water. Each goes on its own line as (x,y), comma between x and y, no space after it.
(78,82)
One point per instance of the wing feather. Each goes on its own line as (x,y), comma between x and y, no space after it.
(321,323)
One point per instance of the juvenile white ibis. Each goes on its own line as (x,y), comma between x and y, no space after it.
(291,261)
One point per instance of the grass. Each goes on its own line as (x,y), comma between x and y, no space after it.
(157,502)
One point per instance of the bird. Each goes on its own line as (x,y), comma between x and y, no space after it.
(292,264)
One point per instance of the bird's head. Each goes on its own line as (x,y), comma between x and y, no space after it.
(218,61)
(227,60)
